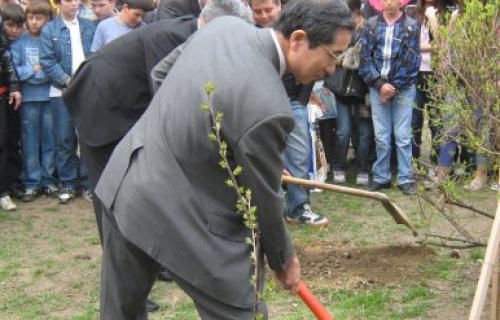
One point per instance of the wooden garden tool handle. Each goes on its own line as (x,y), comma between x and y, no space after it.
(331,187)
(397,214)
(313,303)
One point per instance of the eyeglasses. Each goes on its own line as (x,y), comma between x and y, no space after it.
(336,58)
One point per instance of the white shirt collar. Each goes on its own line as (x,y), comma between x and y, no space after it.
(281,56)
(71,22)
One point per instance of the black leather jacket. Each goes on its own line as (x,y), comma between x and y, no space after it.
(8,74)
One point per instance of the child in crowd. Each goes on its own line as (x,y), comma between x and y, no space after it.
(352,110)
(65,43)
(10,100)
(103,9)
(13,20)
(265,11)
(390,62)
(37,128)
(129,18)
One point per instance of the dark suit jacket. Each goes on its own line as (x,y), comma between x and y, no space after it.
(111,89)
(163,184)
(168,9)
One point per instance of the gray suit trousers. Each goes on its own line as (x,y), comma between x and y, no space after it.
(128,274)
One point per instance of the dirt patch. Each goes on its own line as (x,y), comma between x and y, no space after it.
(334,265)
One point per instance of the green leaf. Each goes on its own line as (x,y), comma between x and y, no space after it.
(237,170)
(205,107)
(209,87)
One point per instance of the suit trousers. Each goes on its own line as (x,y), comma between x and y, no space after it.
(128,274)
(95,159)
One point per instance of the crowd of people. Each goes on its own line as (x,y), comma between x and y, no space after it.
(380,93)
(87,107)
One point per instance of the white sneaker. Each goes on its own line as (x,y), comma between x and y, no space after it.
(339,176)
(362,179)
(308,217)
(7,204)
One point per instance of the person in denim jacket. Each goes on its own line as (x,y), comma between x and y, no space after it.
(389,64)
(66,42)
(37,130)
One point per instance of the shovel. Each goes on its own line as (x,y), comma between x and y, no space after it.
(397,214)
(313,303)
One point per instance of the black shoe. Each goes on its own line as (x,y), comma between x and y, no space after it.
(51,191)
(151,306)
(17,190)
(375,186)
(165,276)
(30,195)
(408,188)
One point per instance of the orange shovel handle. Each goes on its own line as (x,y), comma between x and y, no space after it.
(313,303)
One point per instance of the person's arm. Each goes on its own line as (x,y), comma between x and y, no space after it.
(15,94)
(367,68)
(98,40)
(425,47)
(432,20)
(53,70)
(258,152)
(414,45)
(160,71)
(24,71)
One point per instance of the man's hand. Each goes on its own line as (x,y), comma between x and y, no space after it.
(15,99)
(37,68)
(387,91)
(290,277)
(285,172)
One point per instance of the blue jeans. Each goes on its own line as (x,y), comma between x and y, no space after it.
(449,148)
(392,117)
(38,144)
(67,163)
(296,159)
(347,117)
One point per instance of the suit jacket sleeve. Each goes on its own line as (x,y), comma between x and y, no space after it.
(258,152)
(160,71)
(157,49)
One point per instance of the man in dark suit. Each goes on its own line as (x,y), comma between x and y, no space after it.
(168,9)
(111,90)
(165,197)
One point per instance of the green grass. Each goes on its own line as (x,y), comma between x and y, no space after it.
(476,254)
(50,265)
(442,269)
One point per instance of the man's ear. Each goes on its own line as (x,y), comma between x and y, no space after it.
(297,39)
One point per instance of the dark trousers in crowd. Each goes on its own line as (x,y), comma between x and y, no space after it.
(10,156)
(422,98)
(95,159)
(351,123)
(128,274)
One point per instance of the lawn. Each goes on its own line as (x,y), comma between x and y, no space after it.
(361,266)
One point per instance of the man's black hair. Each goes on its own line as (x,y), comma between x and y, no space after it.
(320,19)
(354,5)
(146,5)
